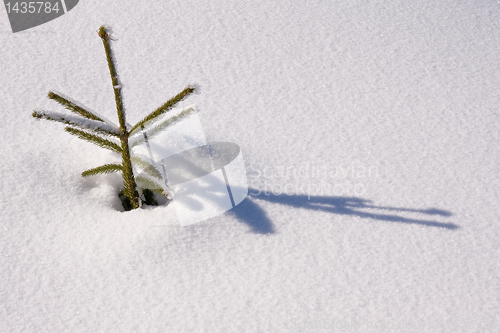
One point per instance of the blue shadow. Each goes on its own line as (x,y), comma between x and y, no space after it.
(250,213)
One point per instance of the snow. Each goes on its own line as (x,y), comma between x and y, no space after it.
(404,95)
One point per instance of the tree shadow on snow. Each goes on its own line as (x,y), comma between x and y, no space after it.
(250,213)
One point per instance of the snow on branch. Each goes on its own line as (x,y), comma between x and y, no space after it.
(77,121)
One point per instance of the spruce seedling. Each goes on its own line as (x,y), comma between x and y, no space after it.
(90,127)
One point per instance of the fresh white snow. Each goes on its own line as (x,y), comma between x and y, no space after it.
(370,134)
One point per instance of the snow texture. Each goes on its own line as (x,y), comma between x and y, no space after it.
(370,135)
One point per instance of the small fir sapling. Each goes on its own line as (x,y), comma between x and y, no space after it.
(92,128)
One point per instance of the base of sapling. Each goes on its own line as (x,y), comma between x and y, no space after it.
(149,197)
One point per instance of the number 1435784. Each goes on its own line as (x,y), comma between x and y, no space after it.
(32,7)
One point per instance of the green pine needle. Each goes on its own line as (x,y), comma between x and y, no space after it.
(161,126)
(73,107)
(103,169)
(147,167)
(150,184)
(95,139)
(164,108)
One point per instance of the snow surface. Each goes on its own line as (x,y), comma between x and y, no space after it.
(374,123)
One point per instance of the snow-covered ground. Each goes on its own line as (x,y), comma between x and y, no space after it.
(370,133)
